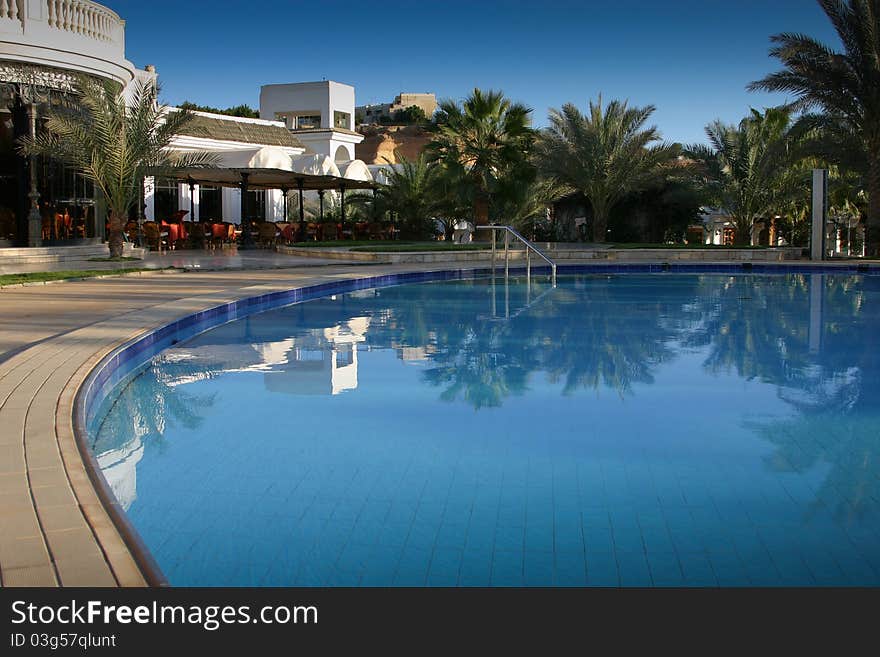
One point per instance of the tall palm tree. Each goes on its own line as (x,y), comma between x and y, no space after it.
(485,138)
(748,166)
(843,84)
(115,140)
(604,154)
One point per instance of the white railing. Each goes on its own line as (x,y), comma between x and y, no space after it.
(529,247)
(12,9)
(84,17)
(74,35)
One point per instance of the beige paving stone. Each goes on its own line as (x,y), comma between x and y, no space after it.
(14,482)
(85,571)
(23,552)
(11,459)
(72,543)
(53,495)
(53,476)
(19,523)
(30,576)
(63,516)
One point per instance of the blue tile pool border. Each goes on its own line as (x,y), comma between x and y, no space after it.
(129,357)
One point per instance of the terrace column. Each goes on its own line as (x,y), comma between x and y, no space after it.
(342,203)
(150,198)
(302,211)
(284,191)
(246,238)
(321,204)
(192,199)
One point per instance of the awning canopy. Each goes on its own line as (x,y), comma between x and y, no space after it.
(259,178)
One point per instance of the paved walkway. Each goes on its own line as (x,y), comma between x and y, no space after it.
(227,258)
(53,528)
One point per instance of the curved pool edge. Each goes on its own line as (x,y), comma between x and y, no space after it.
(112,364)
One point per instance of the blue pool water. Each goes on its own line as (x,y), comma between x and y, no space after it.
(635,430)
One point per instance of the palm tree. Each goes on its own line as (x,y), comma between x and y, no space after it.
(409,192)
(748,166)
(846,85)
(484,138)
(115,141)
(605,154)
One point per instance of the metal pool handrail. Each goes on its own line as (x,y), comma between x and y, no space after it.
(508,231)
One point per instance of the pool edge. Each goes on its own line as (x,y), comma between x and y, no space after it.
(229,311)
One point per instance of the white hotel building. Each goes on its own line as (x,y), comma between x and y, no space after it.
(46,44)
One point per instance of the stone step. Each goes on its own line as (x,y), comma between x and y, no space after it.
(51,254)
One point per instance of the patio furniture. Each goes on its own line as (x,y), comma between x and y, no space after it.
(197,236)
(328,231)
(267,234)
(155,237)
(376,232)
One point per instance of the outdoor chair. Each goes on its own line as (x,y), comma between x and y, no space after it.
(267,232)
(197,236)
(361,230)
(156,239)
(329,232)
(376,232)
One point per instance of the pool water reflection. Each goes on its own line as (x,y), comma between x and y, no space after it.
(626,429)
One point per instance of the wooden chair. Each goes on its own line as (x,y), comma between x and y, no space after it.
(267,234)
(197,236)
(376,232)
(311,231)
(156,239)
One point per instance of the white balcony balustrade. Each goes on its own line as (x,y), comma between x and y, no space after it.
(77,35)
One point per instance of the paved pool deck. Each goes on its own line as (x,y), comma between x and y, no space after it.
(54,530)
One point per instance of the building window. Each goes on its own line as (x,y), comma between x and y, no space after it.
(166,199)
(342,120)
(256,205)
(210,203)
(308,122)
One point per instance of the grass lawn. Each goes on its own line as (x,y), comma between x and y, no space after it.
(375,246)
(108,259)
(42,276)
(396,247)
(636,245)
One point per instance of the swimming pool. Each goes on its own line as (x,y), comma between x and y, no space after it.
(621,429)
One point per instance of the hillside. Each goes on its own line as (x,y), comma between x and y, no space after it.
(380,142)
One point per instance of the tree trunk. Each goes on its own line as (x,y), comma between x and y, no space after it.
(743,235)
(872,224)
(600,225)
(114,236)
(481,217)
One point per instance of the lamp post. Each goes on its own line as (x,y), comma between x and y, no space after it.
(192,198)
(246,238)
(284,191)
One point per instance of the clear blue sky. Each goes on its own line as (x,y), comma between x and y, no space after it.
(690,58)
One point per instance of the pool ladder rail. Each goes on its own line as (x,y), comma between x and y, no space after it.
(530,248)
